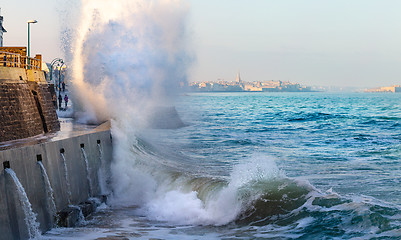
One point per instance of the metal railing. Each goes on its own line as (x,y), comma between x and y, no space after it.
(8,59)
(30,63)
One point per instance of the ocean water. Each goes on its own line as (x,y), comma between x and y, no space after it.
(257,166)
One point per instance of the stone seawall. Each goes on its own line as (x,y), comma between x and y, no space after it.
(73,178)
(47,108)
(19,117)
(26,107)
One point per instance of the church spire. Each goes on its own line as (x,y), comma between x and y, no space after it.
(238,78)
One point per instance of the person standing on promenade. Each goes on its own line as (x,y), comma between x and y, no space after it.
(63,86)
(60,99)
(66,101)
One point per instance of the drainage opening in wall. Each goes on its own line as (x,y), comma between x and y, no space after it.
(98,141)
(62,150)
(6,164)
(82,145)
(39,157)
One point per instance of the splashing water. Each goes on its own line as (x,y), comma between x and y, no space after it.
(102,174)
(139,62)
(49,190)
(30,216)
(137,67)
(81,218)
(87,169)
(166,194)
(66,178)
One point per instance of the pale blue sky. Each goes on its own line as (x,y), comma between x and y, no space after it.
(44,34)
(314,42)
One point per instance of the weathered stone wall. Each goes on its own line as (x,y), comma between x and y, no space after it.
(21,116)
(18,112)
(36,76)
(12,75)
(48,108)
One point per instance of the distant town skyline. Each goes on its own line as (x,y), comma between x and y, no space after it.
(327,43)
(244,86)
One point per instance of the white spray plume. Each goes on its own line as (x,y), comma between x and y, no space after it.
(129,55)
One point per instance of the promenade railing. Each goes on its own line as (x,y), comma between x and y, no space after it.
(8,59)
(30,63)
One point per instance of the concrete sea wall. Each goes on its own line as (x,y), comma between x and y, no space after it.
(24,162)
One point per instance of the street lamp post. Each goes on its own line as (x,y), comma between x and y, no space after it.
(28,52)
(59,83)
(51,68)
(60,63)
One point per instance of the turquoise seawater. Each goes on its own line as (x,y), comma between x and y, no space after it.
(348,142)
(264,166)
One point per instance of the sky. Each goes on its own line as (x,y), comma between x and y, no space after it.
(340,43)
(44,34)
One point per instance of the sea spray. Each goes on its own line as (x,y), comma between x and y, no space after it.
(30,216)
(139,63)
(131,185)
(137,67)
(49,190)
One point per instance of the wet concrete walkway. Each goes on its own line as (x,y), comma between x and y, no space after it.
(68,128)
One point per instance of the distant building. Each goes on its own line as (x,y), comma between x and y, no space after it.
(2,30)
(252,87)
(392,89)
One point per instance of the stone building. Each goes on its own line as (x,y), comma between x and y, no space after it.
(392,89)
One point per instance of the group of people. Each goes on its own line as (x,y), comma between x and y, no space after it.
(60,99)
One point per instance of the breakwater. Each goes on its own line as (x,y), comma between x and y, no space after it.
(46,184)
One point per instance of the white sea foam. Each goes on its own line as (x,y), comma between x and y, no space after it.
(137,181)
